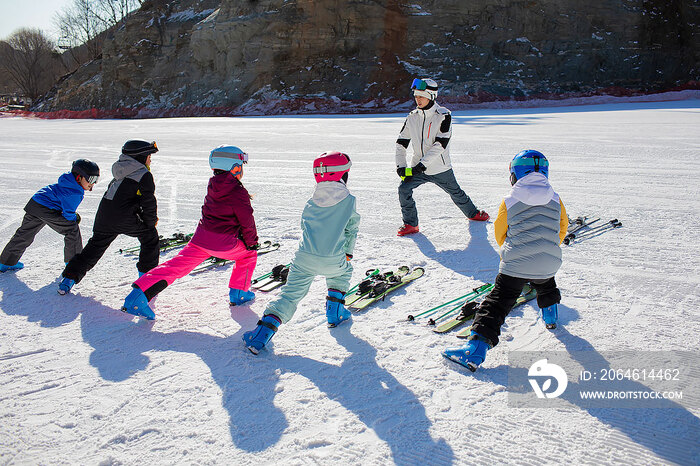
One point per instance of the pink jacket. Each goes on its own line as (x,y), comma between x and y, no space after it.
(226,215)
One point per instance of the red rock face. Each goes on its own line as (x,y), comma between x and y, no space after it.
(340,55)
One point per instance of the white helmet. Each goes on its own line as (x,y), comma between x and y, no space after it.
(425,87)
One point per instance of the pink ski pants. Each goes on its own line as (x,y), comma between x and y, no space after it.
(191,256)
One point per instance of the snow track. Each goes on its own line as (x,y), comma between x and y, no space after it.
(83,383)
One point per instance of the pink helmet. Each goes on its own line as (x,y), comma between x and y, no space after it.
(331,166)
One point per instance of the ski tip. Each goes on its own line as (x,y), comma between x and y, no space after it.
(471,366)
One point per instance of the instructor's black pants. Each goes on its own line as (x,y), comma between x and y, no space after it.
(492,312)
(37,216)
(98,244)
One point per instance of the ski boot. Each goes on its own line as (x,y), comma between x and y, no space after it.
(17,266)
(335,311)
(65,285)
(256,339)
(136,303)
(407,229)
(550,314)
(470,355)
(236,297)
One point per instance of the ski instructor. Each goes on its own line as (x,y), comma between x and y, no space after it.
(429,128)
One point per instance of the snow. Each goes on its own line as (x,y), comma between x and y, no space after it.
(84,383)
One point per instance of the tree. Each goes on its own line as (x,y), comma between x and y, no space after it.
(81,25)
(28,58)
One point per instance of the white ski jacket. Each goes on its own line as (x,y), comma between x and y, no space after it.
(429,131)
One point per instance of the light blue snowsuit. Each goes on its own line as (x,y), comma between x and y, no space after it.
(329,227)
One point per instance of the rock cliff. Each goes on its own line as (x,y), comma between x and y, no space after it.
(271,56)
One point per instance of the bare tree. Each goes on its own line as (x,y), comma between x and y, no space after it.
(28,57)
(81,25)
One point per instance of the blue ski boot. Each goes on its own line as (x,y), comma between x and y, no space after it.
(65,285)
(17,266)
(550,314)
(236,297)
(470,355)
(136,303)
(256,339)
(335,311)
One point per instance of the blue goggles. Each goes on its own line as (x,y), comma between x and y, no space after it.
(419,84)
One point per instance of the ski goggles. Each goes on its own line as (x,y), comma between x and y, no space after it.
(419,85)
(92,179)
(242,156)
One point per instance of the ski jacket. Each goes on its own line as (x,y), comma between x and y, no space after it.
(531,224)
(129,204)
(226,215)
(64,196)
(329,222)
(429,131)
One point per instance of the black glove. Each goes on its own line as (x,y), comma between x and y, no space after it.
(253,247)
(418,169)
(405,173)
(77,217)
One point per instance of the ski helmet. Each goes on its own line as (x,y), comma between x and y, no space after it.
(228,158)
(139,150)
(425,87)
(331,166)
(87,169)
(526,162)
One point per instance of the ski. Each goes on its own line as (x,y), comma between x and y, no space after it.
(611,224)
(212,262)
(383,288)
(374,277)
(164,244)
(467,310)
(268,282)
(527,294)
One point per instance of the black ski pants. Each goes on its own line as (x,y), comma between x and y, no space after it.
(98,244)
(37,216)
(492,312)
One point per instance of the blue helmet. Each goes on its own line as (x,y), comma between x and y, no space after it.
(226,158)
(526,162)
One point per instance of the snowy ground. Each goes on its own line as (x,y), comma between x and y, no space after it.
(83,383)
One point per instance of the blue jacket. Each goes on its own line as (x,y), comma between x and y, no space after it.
(65,196)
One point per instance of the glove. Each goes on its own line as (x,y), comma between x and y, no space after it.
(418,169)
(348,257)
(77,218)
(405,173)
(253,247)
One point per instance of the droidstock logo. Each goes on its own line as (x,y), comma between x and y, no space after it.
(544,371)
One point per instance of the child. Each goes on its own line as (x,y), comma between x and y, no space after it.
(329,227)
(128,207)
(226,216)
(531,224)
(54,205)
(429,129)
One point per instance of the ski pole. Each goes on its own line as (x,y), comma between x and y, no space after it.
(257,279)
(579,226)
(595,232)
(432,321)
(486,286)
(614,223)
(572,234)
